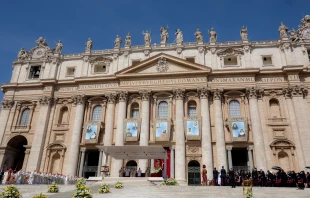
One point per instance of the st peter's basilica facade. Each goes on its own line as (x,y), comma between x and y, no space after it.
(240,104)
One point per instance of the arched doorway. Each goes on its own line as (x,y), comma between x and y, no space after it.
(15,153)
(194,176)
(131,164)
(284,161)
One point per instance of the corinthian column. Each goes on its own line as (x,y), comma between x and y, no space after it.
(119,140)
(206,145)
(302,135)
(145,125)
(73,153)
(34,161)
(180,137)
(5,111)
(260,156)
(109,124)
(221,157)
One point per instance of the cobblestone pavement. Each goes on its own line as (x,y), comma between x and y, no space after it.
(147,189)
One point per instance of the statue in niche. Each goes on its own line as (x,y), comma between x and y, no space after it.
(147,38)
(88,45)
(59,47)
(117,42)
(128,40)
(213,35)
(244,33)
(179,37)
(283,30)
(22,54)
(164,34)
(199,37)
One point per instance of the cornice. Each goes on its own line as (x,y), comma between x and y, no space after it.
(135,75)
(290,68)
(235,71)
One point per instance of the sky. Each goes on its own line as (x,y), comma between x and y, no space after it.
(74,21)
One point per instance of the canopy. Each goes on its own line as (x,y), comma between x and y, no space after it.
(135,152)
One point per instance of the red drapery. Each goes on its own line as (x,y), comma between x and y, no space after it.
(162,161)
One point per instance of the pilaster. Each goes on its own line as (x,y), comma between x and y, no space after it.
(4,116)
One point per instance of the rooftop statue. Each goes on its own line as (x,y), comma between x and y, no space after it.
(147,38)
(88,45)
(117,42)
(41,42)
(283,30)
(179,37)
(199,37)
(244,33)
(294,36)
(59,47)
(213,35)
(164,34)
(22,54)
(128,40)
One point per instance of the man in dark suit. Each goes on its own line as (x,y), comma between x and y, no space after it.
(232,177)
(215,176)
(223,176)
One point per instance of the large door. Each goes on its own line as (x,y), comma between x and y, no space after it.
(194,175)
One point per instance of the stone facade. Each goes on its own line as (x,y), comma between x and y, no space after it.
(247,102)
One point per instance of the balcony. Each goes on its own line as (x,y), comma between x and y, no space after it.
(21,128)
(61,127)
(277,122)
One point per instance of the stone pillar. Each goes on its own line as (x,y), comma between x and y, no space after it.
(145,126)
(251,165)
(230,164)
(40,133)
(2,154)
(171,162)
(180,162)
(99,163)
(300,108)
(82,162)
(219,130)
(73,153)
(119,140)
(206,141)
(296,136)
(260,156)
(27,152)
(4,116)
(109,125)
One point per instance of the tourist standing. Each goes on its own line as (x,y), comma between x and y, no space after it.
(223,176)
(232,177)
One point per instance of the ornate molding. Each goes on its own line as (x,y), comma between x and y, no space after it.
(145,94)
(7,104)
(123,96)
(295,91)
(203,92)
(230,52)
(111,97)
(217,94)
(100,60)
(247,49)
(78,99)
(250,148)
(229,148)
(254,92)
(162,65)
(45,100)
(179,94)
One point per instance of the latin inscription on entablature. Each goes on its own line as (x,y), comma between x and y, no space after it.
(87,87)
(232,79)
(271,79)
(164,81)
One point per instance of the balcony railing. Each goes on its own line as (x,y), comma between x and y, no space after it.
(21,127)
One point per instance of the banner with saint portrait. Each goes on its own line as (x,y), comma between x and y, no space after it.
(162,130)
(238,128)
(91,132)
(192,128)
(132,129)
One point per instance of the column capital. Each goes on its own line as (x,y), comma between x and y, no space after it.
(111,97)
(250,148)
(295,91)
(145,94)
(203,92)
(123,96)
(217,94)
(229,148)
(83,150)
(78,99)
(7,104)
(179,93)
(46,100)
(254,92)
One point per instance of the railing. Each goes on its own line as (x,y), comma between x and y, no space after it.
(90,168)
(244,168)
(21,127)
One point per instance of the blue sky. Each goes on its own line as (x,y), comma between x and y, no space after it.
(73,21)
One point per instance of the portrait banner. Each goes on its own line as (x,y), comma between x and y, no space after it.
(162,130)
(132,129)
(192,128)
(91,132)
(238,128)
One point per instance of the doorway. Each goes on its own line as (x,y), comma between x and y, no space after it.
(91,164)
(194,177)
(240,158)
(15,153)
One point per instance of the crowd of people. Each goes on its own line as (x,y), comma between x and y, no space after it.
(35,177)
(278,178)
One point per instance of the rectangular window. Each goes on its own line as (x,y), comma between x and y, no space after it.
(135,113)
(267,60)
(34,72)
(191,112)
(100,69)
(191,59)
(70,71)
(230,61)
(135,62)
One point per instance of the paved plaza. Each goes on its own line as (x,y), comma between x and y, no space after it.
(139,188)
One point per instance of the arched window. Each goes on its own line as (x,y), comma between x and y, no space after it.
(234,109)
(63,116)
(163,109)
(97,113)
(134,110)
(191,109)
(274,108)
(24,119)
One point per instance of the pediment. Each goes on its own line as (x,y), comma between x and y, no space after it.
(164,64)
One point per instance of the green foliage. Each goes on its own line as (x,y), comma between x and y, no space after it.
(118,185)
(10,192)
(104,189)
(81,190)
(169,182)
(248,193)
(40,196)
(53,188)
(80,182)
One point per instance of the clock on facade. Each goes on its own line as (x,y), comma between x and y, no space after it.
(306,33)
(38,53)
